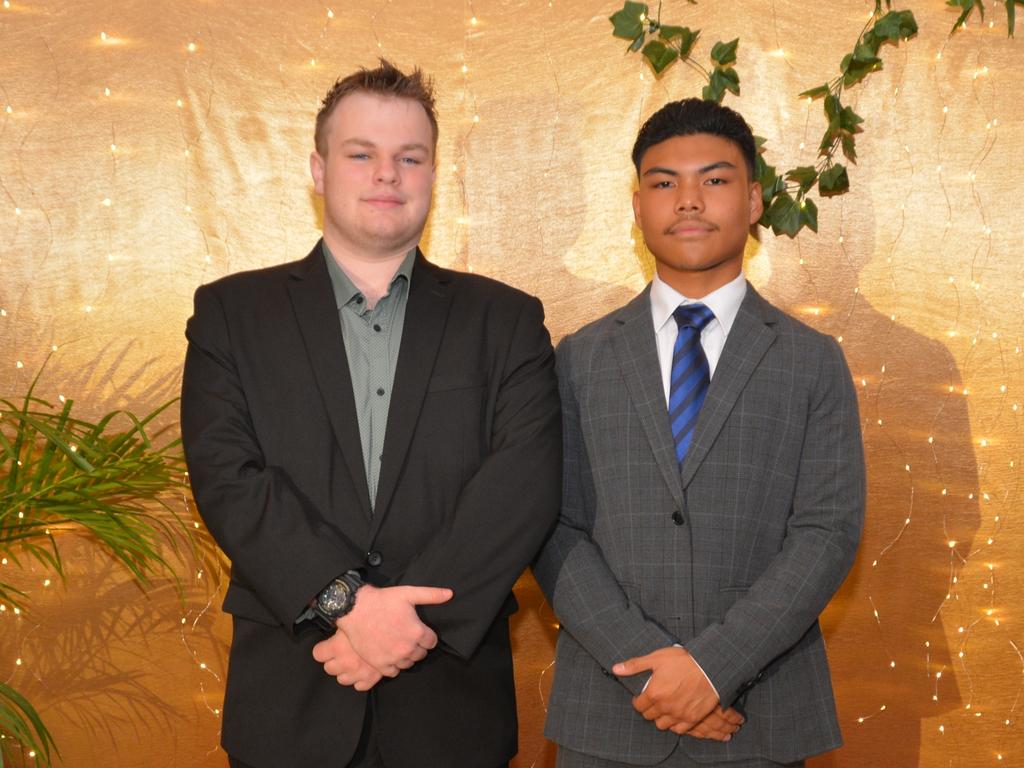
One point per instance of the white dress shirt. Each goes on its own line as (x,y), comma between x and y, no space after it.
(724,302)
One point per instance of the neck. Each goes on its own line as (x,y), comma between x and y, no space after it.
(371,275)
(698,284)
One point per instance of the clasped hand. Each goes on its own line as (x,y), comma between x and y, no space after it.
(678,696)
(381,636)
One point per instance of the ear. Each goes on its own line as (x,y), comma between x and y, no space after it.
(756,202)
(316,170)
(636,209)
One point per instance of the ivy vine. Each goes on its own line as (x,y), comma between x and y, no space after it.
(788,208)
(967,7)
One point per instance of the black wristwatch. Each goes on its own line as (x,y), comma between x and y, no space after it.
(336,599)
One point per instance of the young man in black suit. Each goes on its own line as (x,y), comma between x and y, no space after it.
(375,443)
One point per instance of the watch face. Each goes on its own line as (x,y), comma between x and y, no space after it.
(335,598)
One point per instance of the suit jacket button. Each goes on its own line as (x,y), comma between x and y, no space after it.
(373,559)
(677,517)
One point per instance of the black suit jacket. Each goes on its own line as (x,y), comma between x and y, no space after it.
(469,488)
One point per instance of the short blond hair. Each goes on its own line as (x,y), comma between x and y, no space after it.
(385,80)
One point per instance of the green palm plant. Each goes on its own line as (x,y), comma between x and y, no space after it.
(108,479)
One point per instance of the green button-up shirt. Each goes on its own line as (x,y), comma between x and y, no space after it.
(372,340)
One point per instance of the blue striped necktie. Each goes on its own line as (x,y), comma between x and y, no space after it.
(690,375)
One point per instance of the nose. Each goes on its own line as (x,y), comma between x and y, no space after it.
(689,198)
(386,171)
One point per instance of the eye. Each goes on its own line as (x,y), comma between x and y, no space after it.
(715,181)
(666,184)
(410,161)
(359,156)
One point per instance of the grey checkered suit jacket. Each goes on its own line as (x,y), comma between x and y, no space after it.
(733,557)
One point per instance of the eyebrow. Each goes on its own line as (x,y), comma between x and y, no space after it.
(404,148)
(701,171)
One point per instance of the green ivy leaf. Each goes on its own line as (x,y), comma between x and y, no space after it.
(856,69)
(809,214)
(628,20)
(711,92)
(724,54)
(727,79)
(805,176)
(843,123)
(850,121)
(859,69)
(868,45)
(849,148)
(967,6)
(784,215)
(833,181)
(771,185)
(1011,15)
(895,26)
(832,107)
(867,48)
(659,55)
(815,93)
(685,35)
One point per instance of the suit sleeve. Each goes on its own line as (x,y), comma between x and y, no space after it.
(507,507)
(821,540)
(571,569)
(278,543)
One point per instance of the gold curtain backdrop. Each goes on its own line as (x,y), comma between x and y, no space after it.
(148,147)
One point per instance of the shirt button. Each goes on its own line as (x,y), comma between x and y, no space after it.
(380,390)
(359,299)
(376,327)
(374,559)
(677,517)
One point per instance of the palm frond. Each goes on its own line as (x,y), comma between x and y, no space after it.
(112,479)
(23,726)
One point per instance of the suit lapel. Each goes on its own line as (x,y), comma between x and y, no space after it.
(749,338)
(317,314)
(425,316)
(637,353)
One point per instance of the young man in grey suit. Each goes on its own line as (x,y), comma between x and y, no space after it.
(375,442)
(713,492)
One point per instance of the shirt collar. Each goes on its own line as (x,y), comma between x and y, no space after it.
(345,290)
(724,302)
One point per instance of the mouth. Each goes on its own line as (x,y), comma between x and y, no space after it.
(384,201)
(690,227)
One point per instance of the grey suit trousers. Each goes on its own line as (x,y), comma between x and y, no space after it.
(567,758)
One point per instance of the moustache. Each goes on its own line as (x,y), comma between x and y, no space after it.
(687,221)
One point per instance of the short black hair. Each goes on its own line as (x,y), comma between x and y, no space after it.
(691,116)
